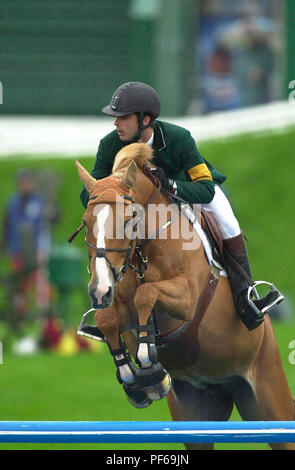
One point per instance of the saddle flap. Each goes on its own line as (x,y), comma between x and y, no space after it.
(208,223)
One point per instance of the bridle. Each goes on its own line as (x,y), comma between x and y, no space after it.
(139,246)
(102,253)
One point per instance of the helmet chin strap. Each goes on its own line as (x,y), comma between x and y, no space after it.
(141,127)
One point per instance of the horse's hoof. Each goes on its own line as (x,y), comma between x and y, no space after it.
(155,381)
(160,390)
(136,396)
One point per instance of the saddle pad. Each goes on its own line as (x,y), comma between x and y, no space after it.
(189,214)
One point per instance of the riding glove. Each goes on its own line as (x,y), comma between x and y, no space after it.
(167,183)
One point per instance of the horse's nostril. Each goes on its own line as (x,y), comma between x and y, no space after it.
(108,296)
(93,299)
(100,298)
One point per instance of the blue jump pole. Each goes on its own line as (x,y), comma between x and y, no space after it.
(146,431)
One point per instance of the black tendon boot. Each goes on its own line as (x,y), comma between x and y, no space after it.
(250,309)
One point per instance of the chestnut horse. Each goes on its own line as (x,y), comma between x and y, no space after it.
(203,366)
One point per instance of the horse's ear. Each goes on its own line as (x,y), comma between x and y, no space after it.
(85,177)
(128,179)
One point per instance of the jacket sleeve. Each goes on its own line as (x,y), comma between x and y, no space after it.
(199,189)
(102,168)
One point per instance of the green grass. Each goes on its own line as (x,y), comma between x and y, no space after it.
(260,171)
(47,386)
(80,387)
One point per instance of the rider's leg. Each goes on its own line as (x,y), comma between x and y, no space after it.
(221,210)
(234,244)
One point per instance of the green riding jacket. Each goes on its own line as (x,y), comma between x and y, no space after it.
(176,152)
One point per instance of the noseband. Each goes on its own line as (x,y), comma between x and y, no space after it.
(102,253)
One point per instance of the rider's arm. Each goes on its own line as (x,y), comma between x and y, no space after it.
(200,190)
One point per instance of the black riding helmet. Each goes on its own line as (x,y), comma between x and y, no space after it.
(134,97)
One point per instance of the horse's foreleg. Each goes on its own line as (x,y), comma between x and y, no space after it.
(145,299)
(174,294)
(151,375)
(107,321)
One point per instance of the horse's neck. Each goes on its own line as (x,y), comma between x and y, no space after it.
(144,189)
(163,211)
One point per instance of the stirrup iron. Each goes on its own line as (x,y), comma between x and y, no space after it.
(90,331)
(252,291)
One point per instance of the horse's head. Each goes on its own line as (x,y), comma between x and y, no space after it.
(109,209)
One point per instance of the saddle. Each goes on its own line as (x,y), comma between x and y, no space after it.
(209,225)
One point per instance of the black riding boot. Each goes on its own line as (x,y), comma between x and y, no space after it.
(250,310)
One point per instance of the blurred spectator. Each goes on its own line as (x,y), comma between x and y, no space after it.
(26,238)
(238,54)
(220,91)
(255,67)
(23,222)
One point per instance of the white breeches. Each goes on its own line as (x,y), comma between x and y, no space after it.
(221,210)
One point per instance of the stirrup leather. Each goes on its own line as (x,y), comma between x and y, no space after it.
(275,295)
(88,330)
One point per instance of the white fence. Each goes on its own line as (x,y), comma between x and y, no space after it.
(72,136)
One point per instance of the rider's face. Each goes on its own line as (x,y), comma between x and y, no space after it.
(127,127)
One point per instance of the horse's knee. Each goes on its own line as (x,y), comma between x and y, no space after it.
(145,297)
(108,323)
(107,320)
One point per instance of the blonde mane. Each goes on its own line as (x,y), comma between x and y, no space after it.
(139,153)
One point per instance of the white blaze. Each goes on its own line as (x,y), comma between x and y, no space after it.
(103,273)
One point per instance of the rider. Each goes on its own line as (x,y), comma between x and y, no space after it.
(182,170)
